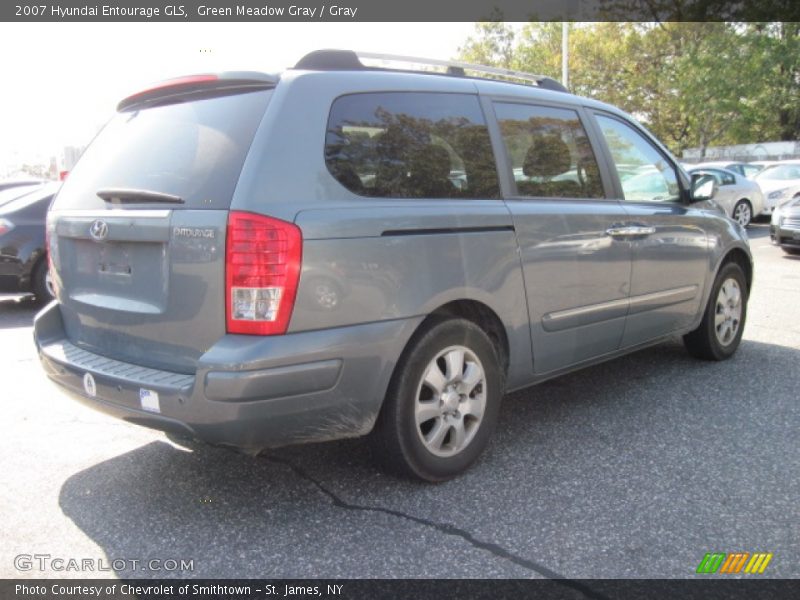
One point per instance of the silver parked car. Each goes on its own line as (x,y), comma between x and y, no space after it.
(784,229)
(739,197)
(335,251)
(748,170)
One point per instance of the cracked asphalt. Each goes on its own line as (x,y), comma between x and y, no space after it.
(635,468)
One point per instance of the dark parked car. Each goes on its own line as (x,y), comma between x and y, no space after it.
(339,250)
(23,260)
(9,194)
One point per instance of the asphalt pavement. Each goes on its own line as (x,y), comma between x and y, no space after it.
(635,468)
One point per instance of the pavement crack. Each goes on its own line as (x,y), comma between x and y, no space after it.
(445,528)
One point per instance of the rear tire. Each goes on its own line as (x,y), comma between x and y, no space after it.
(442,404)
(720,331)
(39,284)
(743,213)
(792,251)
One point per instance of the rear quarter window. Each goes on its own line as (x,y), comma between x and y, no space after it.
(194,150)
(411,145)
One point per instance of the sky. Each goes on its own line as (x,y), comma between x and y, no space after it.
(61,81)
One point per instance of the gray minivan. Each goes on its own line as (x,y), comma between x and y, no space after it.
(339,250)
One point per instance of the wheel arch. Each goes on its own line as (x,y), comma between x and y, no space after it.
(33,262)
(740,257)
(738,254)
(471,310)
(741,200)
(484,317)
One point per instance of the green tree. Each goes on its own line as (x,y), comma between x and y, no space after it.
(774,52)
(492,44)
(692,83)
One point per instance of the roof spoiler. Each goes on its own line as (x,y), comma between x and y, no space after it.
(180,86)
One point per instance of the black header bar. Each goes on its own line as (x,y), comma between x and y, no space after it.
(715,588)
(398,10)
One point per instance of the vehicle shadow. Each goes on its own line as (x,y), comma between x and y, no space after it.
(17,311)
(280,514)
(758,231)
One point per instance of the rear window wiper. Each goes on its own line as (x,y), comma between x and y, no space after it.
(121,196)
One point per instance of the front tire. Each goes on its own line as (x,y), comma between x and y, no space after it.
(720,331)
(442,404)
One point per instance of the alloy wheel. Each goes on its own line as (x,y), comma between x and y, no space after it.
(450,401)
(728,313)
(742,214)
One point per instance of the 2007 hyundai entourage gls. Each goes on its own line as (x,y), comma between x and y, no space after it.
(339,250)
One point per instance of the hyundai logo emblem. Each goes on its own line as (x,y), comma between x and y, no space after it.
(99,230)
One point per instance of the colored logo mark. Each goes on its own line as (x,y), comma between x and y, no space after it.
(734,562)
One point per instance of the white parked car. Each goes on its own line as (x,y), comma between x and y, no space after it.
(741,198)
(780,183)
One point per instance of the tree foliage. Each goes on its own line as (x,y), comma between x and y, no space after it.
(694,84)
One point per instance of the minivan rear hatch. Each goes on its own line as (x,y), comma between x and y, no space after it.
(137,233)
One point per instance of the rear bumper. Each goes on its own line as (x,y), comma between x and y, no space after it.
(248,392)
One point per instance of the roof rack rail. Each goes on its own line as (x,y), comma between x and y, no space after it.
(347,60)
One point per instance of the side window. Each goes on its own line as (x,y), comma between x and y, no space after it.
(411,145)
(726,178)
(549,151)
(645,174)
(749,170)
(717,175)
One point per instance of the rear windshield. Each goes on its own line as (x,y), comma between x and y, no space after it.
(193,150)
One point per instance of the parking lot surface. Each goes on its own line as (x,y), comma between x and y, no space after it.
(634,468)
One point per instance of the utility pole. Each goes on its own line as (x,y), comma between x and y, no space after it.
(565,53)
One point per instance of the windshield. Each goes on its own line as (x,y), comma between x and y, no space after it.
(44,193)
(15,192)
(190,150)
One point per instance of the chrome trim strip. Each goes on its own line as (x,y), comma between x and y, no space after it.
(585,310)
(665,298)
(604,311)
(585,315)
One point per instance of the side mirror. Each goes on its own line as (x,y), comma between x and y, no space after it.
(703,187)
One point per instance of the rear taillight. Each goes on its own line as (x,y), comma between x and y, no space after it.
(262,268)
(5,226)
(51,249)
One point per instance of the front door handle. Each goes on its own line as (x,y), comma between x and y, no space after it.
(630,231)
